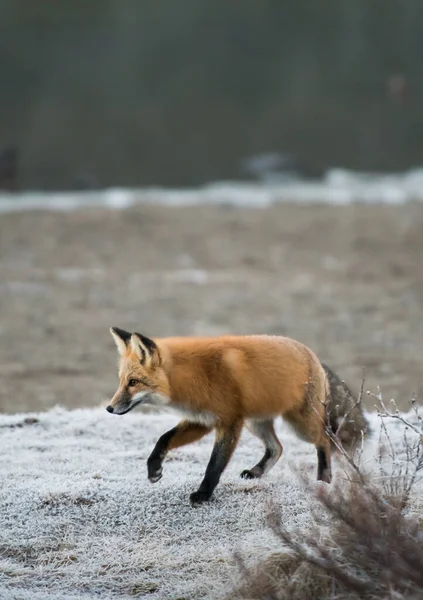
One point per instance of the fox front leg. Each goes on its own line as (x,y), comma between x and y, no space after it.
(184,433)
(225,443)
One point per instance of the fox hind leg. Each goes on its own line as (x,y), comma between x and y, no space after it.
(265,431)
(310,426)
(324,472)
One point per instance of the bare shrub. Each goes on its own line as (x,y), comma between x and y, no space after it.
(364,542)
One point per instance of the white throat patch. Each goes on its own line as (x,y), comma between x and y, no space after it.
(151,398)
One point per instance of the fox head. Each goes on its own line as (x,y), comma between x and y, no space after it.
(142,379)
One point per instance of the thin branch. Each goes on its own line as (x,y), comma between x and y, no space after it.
(397,415)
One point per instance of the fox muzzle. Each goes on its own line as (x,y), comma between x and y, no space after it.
(127,403)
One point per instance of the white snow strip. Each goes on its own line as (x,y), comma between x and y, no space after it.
(79,519)
(338,186)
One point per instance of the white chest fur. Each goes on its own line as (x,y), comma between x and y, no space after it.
(203,417)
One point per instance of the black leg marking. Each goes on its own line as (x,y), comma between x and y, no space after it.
(226,441)
(156,458)
(323,465)
(273,449)
(258,470)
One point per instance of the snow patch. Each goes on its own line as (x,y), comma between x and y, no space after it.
(338,186)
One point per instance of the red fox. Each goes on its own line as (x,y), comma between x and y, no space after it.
(224,383)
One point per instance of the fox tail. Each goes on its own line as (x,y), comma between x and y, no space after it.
(346,416)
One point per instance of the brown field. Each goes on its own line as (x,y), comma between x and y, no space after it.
(348,281)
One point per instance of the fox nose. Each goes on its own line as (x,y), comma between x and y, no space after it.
(109,408)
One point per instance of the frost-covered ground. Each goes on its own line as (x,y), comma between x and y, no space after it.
(79,519)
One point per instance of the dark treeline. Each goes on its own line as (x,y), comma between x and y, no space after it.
(136,92)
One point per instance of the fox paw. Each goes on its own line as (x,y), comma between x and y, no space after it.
(154,476)
(250,474)
(197,498)
(154,469)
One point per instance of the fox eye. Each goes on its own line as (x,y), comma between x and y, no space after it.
(133,382)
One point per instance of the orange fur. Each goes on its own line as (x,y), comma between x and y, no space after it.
(246,377)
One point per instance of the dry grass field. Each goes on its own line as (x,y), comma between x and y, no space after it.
(347,280)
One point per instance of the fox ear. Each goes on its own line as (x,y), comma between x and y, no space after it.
(121,338)
(145,349)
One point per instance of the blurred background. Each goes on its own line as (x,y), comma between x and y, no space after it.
(209,167)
